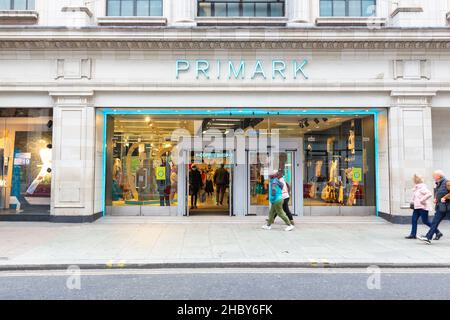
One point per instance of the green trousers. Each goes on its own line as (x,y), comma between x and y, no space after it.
(277,210)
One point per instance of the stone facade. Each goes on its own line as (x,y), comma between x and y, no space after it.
(76,60)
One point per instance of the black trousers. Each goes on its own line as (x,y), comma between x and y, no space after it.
(194,196)
(286,209)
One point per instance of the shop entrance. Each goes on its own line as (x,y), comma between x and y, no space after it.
(189,164)
(210,183)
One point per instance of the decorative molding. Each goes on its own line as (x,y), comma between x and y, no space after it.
(70,69)
(418,69)
(207,45)
(412,98)
(72,98)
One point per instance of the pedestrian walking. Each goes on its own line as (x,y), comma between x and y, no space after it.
(441,206)
(276,200)
(195,184)
(286,196)
(420,205)
(221,180)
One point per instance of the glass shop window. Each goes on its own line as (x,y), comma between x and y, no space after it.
(340,164)
(26,160)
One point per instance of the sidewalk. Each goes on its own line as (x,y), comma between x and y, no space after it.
(130,242)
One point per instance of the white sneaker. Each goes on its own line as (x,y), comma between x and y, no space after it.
(289,228)
(266,227)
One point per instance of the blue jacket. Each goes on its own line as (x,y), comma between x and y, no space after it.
(275,190)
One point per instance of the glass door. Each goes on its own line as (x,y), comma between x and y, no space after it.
(260,166)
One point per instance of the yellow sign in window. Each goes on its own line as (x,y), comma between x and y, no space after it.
(357,174)
(160,173)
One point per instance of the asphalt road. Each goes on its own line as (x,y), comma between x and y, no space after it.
(227,284)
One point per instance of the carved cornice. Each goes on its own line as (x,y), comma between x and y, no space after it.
(208,45)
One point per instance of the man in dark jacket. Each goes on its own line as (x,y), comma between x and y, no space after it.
(440,191)
(195,182)
(221,180)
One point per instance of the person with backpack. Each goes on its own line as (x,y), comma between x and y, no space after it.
(276,201)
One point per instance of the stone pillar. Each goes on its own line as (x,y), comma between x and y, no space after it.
(298,12)
(410,147)
(73,157)
(183,13)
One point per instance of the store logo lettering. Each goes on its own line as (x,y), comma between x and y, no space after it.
(204,69)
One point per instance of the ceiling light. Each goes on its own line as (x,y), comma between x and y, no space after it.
(325,119)
(316,120)
(147,119)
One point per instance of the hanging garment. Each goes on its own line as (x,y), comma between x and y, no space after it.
(352,196)
(351,141)
(341,195)
(333,171)
(318,170)
(330,144)
(326,192)
(312,190)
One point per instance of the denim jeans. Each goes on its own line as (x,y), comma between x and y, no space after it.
(438,217)
(419,213)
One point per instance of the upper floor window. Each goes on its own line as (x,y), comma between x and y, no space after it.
(134,8)
(347,8)
(16,4)
(241,8)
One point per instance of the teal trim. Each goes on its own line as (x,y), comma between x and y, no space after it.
(244,112)
(104,165)
(377,173)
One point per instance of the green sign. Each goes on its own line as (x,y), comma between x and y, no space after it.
(357,174)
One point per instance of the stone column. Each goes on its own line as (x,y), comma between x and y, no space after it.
(298,12)
(410,147)
(183,13)
(73,157)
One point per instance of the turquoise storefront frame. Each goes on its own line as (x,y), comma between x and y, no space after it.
(233,112)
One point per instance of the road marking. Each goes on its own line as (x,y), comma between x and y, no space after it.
(183,271)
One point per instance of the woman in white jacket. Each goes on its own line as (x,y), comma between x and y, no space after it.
(420,206)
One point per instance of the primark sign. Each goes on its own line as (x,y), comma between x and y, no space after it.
(229,69)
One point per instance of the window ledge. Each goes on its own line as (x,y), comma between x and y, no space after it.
(241,21)
(405,9)
(350,21)
(18,16)
(78,9)
(132,21)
